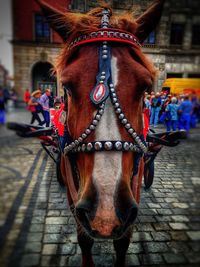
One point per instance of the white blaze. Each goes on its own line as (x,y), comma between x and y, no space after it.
(107,165)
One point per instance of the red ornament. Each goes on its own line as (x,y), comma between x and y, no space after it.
(99,93)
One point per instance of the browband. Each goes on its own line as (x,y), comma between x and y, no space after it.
(107,34)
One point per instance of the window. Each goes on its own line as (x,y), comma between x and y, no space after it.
(177,33)
(42,30)
(151,39)
(196,34)
(174,75)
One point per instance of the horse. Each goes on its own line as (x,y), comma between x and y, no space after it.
(104,74)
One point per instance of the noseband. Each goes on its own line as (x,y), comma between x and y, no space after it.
(103,89)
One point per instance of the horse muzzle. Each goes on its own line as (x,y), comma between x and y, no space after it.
(85,214)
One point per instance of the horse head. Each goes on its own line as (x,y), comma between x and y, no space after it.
(105,74)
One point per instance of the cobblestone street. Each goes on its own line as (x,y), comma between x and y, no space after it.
(37,228)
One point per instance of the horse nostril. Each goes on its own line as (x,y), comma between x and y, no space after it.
(127,213)
(82,210)
(82,217)
(132,214)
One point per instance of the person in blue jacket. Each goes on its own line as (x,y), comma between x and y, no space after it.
(171,110)
(185,110)
(155,109)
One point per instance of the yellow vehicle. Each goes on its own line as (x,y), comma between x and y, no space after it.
(182,86)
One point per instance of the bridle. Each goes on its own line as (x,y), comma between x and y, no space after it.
(103,89)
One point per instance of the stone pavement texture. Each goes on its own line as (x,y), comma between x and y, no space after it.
(37,228)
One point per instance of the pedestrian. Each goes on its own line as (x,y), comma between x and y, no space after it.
(155,109)
(44,101)
(27,96)
(171,115)
(2,108)
(185,111)
(33,103)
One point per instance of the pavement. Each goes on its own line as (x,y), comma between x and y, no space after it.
(37,228)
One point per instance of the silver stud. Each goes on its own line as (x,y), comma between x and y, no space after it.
(139,142)
(104,56)
(111,85)
(84,135)
(95,122)
(105,47)
(108,145)
(131,147)
(76,142)
(124,121)
(80,139)
(118,145)
(103,77)
(101,82)
(126,146)
(112,90)
(131,130)
(145,150)
(73,144)
(103,73)
(114,100)
(128,126)
(101,111)
(89,146)
(98,145)
(114,95)
(92,127)
(116,105)
(105,52)
(134,135)
(69,147)
(105,42)
(137,139)
(102,105)
(79,149)
(87,131)
(98,117)
(121,116)
(83,147)
(118,110)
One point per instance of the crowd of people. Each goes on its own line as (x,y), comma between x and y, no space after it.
(180,112)
(176,112)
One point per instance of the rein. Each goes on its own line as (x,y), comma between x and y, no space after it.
(103,89)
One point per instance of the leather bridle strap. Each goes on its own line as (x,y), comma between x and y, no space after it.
(66,167)
(107,34)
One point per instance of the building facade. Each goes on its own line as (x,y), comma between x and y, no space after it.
(35,46)
(174,47)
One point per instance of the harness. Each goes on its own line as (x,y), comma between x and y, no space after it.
(103,89)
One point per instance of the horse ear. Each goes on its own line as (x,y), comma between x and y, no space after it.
(148,21)
(56,19)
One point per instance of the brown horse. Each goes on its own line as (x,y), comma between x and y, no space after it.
(105,74)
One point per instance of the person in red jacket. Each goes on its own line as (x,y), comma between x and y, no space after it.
(27,96)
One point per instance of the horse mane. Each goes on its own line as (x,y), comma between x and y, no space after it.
(84,23)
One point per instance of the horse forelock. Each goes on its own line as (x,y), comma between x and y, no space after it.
(84,23)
